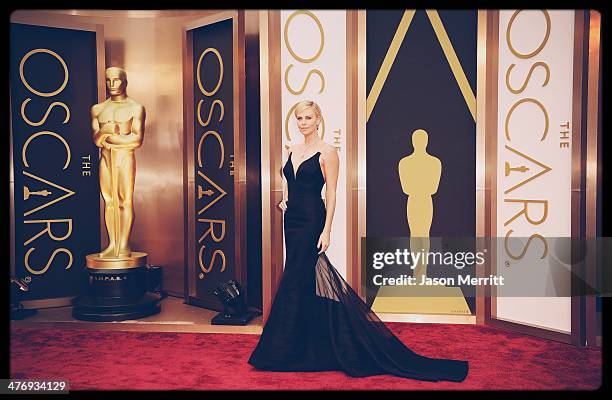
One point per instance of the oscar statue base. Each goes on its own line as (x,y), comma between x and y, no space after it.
(114,294)
(134,260)
(228,319)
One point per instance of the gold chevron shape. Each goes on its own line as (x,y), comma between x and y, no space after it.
(544,170)
(392,51)
(221,192)
(47,204)
(449,54)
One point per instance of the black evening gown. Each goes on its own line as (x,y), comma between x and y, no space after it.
(317,322)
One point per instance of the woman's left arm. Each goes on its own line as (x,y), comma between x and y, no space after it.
(331,165)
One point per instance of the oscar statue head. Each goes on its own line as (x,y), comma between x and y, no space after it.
(419,140)
(116,81)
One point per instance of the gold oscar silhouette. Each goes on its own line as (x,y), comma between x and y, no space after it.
(117,275)
(419,175)
(27,193)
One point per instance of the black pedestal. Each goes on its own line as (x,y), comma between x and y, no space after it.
(116,295)
(237,319)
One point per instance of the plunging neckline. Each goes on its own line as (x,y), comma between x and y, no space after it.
(295,172)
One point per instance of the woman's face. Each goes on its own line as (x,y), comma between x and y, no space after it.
(307,121)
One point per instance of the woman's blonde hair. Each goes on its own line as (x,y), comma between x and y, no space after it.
(306,104)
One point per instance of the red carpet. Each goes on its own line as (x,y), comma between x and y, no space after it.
(111,360)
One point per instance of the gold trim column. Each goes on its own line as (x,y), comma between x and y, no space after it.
(482,190)
(240,212)
(593,165)
(361,143)
(352,172)
(577,195)
(271,157)
(188,174)
(490,123)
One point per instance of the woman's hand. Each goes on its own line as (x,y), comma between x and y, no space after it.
(283,205)
(323,242)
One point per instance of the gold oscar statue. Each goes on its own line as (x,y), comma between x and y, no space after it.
(419,175)
(117,288)
(118,129)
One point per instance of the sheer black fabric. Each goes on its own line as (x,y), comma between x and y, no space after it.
(317,322)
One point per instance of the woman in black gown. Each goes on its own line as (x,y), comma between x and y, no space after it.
(317,322)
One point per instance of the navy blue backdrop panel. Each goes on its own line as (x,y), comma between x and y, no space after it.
(214,240)
(53,83)
(421,92)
